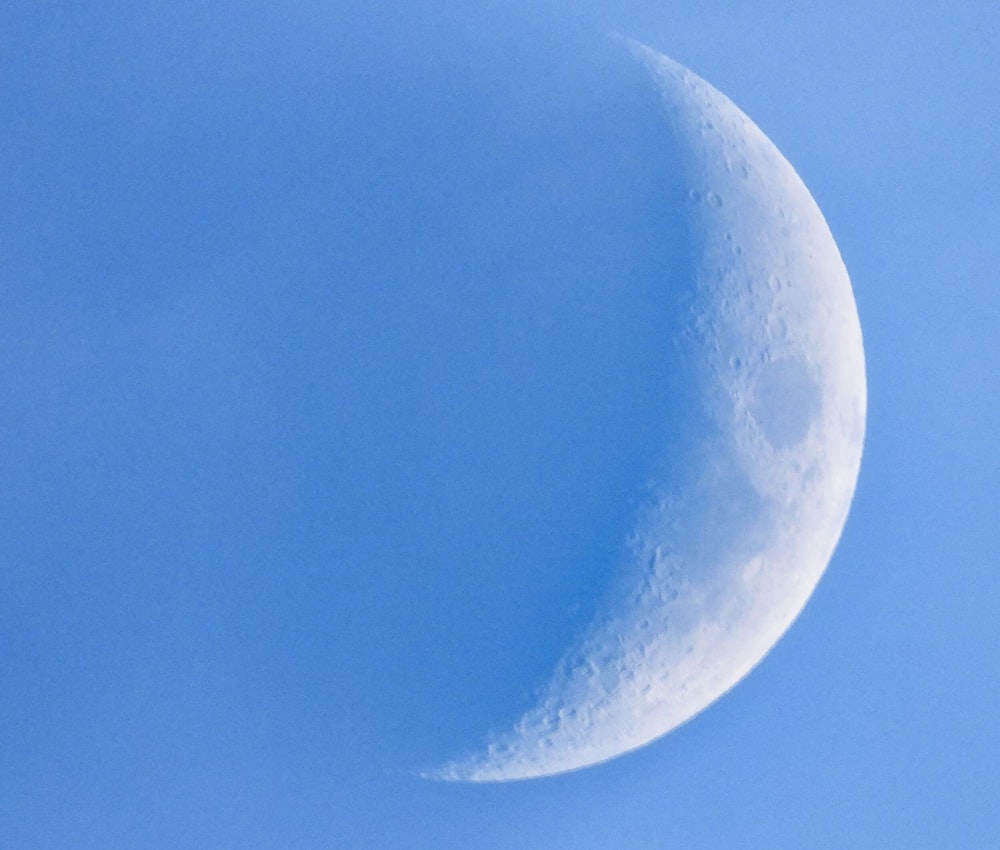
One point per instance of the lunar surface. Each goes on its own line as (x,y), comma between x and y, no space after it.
(725,555)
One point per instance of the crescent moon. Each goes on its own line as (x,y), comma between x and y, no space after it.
(725,555)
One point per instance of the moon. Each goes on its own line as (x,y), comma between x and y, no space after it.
(725,553)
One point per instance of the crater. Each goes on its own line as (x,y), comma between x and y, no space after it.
(785,401)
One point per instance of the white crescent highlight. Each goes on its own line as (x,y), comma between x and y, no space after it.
(722,560)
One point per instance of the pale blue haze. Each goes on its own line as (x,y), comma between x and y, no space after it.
(331,371)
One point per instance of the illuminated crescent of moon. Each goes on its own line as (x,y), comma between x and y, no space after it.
(722,560)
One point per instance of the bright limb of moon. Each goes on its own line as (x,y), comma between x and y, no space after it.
(723,560)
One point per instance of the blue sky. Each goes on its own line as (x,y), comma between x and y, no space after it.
(331,368)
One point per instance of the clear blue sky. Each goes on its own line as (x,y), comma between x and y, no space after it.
(329,373)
